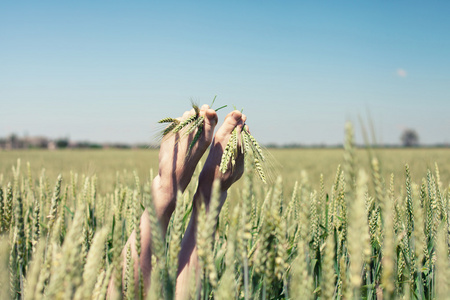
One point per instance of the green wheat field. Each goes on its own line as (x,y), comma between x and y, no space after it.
(329,224)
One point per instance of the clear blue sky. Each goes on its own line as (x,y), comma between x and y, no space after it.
(108,70)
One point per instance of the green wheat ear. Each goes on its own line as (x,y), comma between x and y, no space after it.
(168,120)
(256,152)
(170,127)
(249,146)
(175,124)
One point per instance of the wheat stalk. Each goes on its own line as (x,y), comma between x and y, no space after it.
(2,212)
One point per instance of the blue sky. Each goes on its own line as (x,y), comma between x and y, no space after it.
(108,70)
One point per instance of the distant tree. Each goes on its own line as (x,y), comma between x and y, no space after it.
(13,139)
(410,138)
(95,146)
(62,143)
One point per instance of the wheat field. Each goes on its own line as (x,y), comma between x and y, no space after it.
(329,224)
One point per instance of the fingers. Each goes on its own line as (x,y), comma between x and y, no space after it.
(237,118)
(232,120)
(211,120)
(209,114)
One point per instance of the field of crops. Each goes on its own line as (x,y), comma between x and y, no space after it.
(331,224)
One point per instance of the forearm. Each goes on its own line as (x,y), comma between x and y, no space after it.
(188,259)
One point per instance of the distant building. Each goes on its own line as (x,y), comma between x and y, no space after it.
(35,142)
(51,145)
(14,142)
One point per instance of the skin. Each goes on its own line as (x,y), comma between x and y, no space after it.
(175,172)
(175,169)
(210,172)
